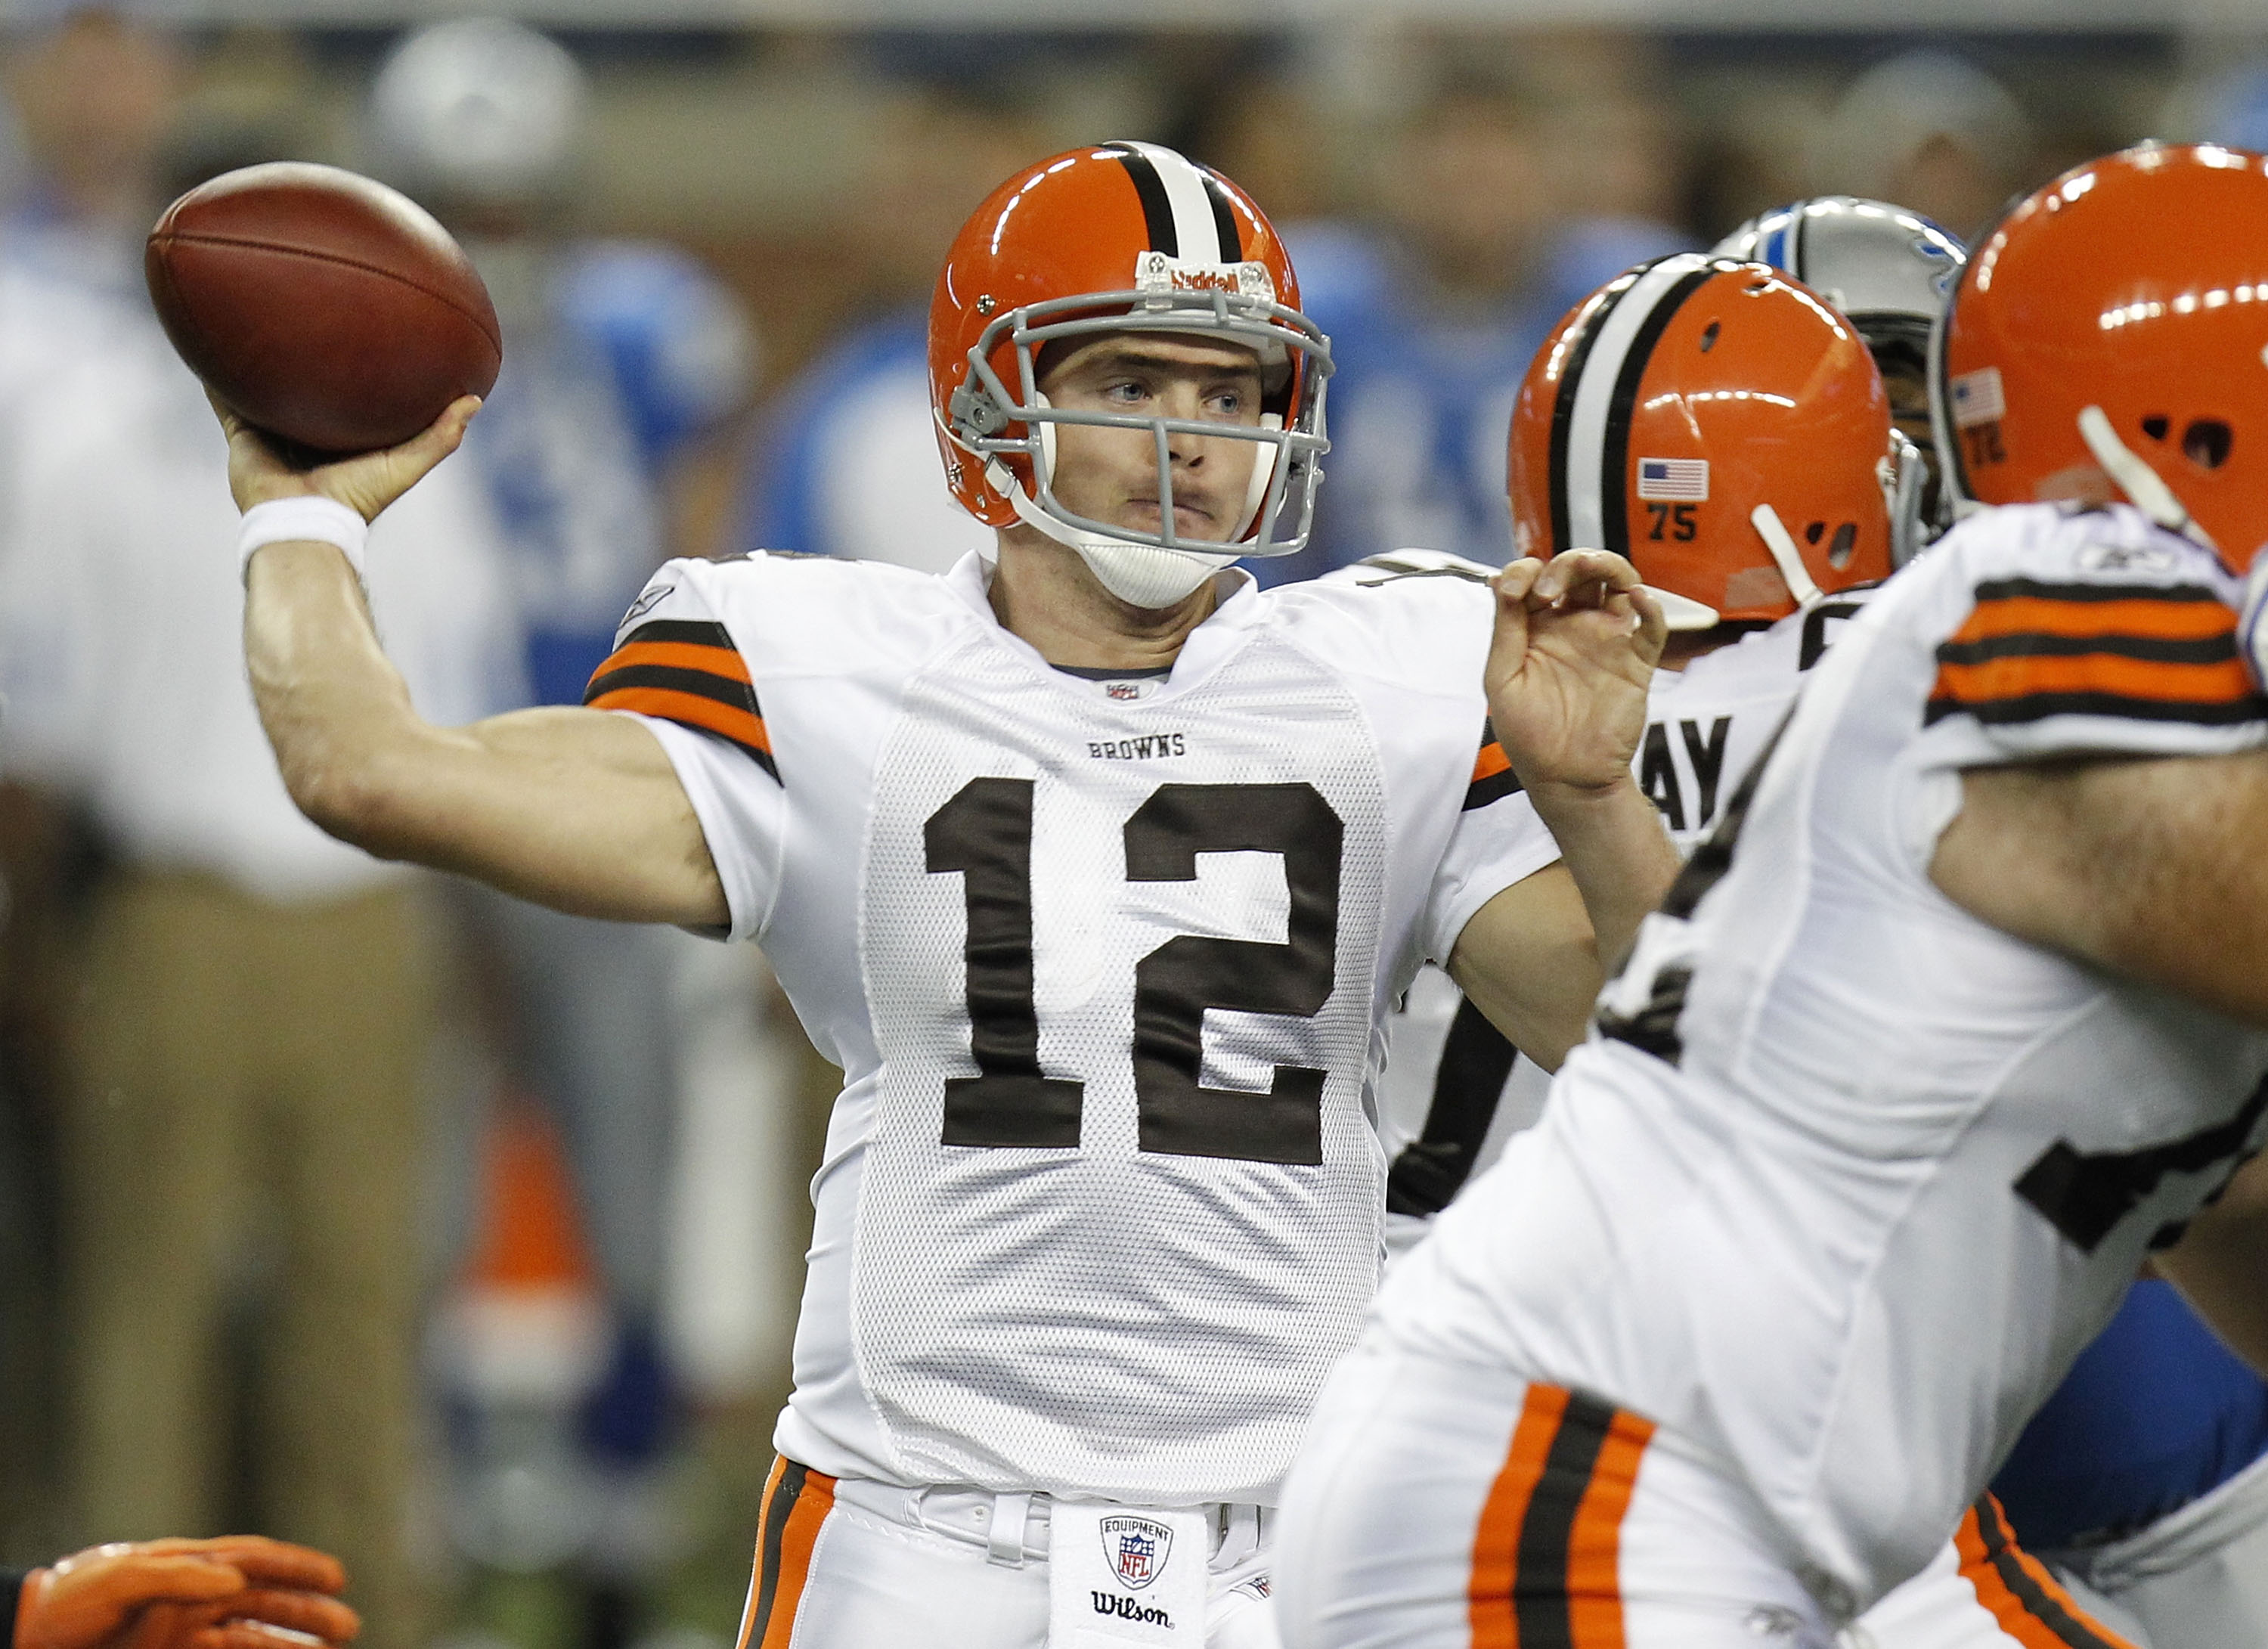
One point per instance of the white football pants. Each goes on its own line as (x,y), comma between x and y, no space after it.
(1433,1510)
(852,1564)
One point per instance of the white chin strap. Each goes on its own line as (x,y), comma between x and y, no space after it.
(1784,554)
(1140,575)
(2137,479)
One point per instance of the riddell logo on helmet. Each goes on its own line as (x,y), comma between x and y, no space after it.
(1162,272)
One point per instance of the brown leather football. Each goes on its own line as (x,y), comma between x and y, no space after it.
(321,306)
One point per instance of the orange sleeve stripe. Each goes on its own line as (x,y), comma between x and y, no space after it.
(2023,676)
(683,655)
(1595,1603)
(1496,1543)
(741,727)
(1491,762)
(2037,615)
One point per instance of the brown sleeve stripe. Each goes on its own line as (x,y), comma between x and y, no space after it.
(2010,607)
(2016,1588)
(687,671)
(1493,778)
(1547,1551)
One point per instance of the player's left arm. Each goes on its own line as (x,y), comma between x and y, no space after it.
(1529,963)
(1576,639)
(2220,1264)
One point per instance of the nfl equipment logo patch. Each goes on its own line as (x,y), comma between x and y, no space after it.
(1136,1548)
(1684,480)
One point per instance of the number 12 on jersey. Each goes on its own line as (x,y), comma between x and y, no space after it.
(985,833)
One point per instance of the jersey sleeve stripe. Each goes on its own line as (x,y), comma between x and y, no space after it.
(2030,649)
(2159,619)
(2212,649)
(2109,674)
(1493,778)
(724,661)
(703,632)
(686,670)
(738,695)
(729,722)
(1995,590)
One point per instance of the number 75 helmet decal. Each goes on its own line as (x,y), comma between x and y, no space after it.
(1724,429)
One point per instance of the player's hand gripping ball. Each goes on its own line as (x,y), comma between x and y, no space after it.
(320,306)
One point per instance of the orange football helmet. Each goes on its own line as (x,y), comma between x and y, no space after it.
(1119,237)
(2112,330)
(1720,426)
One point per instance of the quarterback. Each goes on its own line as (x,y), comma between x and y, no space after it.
(1091,864)
(1956,1016)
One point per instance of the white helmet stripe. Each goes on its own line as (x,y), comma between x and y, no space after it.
(1196,227)
(1603,366)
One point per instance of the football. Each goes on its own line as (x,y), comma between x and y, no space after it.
(321,306)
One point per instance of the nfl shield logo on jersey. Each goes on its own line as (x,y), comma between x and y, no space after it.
(1136,1548)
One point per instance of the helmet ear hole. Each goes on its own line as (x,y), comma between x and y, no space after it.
(1840,547)
(2206,443)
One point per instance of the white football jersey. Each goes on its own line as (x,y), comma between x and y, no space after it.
(1454,1091)
(1844,1177)
(1102,963)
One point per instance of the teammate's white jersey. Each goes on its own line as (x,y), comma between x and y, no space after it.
(1844,1178)
(1101,961)
(1454,1093)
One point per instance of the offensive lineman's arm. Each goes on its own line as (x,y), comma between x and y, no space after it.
(1576,642)
(2149,867)
(576,809)
(2221,1264)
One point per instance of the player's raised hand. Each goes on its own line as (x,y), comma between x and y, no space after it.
(239,1591)
(1577,640)
(366,483)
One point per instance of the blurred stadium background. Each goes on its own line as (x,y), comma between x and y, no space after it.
(710,227)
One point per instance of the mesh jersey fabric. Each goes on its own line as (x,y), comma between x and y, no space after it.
(1043,1258)
(1828,1122)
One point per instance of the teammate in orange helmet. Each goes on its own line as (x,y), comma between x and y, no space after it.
(1720,426)
(1092,863)
(1959,1014)
(237,1591)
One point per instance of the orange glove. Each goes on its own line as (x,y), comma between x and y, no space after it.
(239,1591)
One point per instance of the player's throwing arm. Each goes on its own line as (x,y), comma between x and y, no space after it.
(341,319)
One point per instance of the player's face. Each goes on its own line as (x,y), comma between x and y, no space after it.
(1110,474)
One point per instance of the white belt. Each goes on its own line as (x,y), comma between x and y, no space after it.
(1013,1526)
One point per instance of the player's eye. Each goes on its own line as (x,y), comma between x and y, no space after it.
(1125,391)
